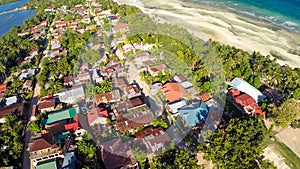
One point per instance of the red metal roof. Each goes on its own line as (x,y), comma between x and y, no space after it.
(173,91)
(2,87)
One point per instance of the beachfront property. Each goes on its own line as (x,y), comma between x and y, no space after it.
(245,97)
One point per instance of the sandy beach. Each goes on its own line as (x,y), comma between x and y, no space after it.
(225,27)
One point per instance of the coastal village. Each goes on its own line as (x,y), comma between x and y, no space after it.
(126,93)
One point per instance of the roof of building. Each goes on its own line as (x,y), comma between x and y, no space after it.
(68,79)
(16,108)
(173,91)
(11,100)
(179,78)
(245,87)
(46,104)
(39,144)
(158,68)
(2,87)
(134,118)
(69,161)
(153,138)
(115,154)
(49,164)
(75,93)
(195,113)
(121,26)
(244,100)
(125,105)
(133,91)
(108,97)
(174,106)
(95,114)
(61,115)
(27,84)
(204,96)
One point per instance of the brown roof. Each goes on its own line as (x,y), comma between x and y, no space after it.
(158,137)
(46,104)
(39,144)
(158,68)
(15,108)
(125,105)
(121,26)
(204,96)
(134,118)
(173,91)
(68,79)
(120,82)
(115,154)
(107,97)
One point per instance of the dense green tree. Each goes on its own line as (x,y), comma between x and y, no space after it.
(239,146)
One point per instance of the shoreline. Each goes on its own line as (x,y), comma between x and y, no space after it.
(226,27)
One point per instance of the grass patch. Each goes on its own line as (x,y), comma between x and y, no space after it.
(291,159)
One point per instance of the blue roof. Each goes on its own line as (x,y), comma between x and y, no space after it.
(194,113)
(69,161)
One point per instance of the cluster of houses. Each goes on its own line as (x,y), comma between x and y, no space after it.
(67,115)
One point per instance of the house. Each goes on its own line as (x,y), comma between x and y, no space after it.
(121,83)
(83,77)
(124,27)
(34,52)
(27,85)
(61,121)
(179,78)
(108,97)
(122,107)
(273,95)
(69,161)
(58,52)
(3,88)
(194,114)
(244,102)
(68,81)
(23,33)
(127,48)
(49,9)
(61,24)
(173,91)
(154,70)
(55,43)
(91,27)
(86,19)
(73,25)
(81,29)
(52,163)
(18,108)
(245,87)
(96,76)
(11,100)
(76,93)
(154,139)
(132,91)
(26,73)
(97,116)
(155,87)
(41,150)
(144,47)
(47,105)
(116,154)
(134,118)
(174,106)
(204,96)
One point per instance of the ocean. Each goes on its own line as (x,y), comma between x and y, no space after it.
(16,18)
(282,13)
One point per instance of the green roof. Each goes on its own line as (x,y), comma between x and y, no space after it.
(61,115)
(49,164)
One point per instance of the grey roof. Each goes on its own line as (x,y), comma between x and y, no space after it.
(72,95)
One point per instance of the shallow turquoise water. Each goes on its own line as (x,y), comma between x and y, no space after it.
(282,13)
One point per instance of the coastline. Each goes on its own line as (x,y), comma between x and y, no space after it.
(226,27)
